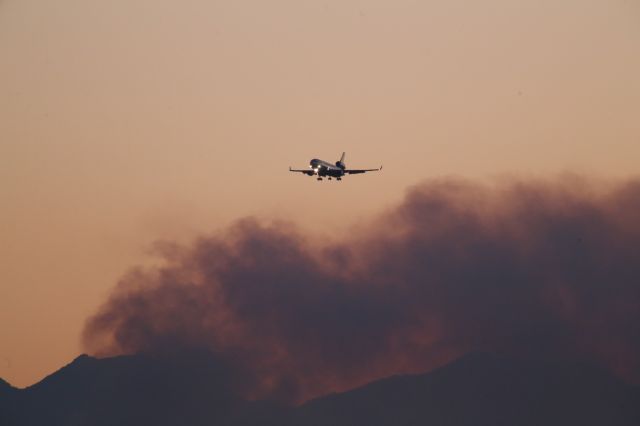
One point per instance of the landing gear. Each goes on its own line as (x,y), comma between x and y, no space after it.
(320,179)
(329,178)
(339,178)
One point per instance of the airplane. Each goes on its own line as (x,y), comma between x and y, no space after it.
(325,169)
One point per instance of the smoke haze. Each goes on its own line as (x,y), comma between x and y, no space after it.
(544,269)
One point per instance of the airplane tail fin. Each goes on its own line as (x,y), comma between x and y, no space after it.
(342,157)
(340,163)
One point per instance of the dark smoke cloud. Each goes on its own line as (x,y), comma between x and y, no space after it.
(545,269)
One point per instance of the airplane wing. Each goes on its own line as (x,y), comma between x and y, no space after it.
(305,171)
(356,171)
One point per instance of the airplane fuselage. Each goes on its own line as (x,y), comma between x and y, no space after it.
(323,168)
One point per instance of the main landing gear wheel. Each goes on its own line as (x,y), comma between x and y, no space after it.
(320,179)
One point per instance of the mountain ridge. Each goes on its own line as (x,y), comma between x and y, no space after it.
(5,386)
(194,388)
(483,386)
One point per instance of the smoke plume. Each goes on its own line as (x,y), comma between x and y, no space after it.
(545,269)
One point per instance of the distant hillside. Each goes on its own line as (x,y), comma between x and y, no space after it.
(482,389)
(193,389)
(127,390)
(5,386)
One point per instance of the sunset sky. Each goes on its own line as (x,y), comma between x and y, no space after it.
(128,121)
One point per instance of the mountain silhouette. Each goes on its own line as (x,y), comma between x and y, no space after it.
(484,389)
(187,388)
(5,387)
(194,388)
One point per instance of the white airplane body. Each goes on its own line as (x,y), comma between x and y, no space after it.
(323,169)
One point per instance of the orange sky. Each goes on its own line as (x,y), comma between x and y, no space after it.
(122,122)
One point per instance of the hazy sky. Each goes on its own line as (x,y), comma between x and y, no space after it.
(122,122)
